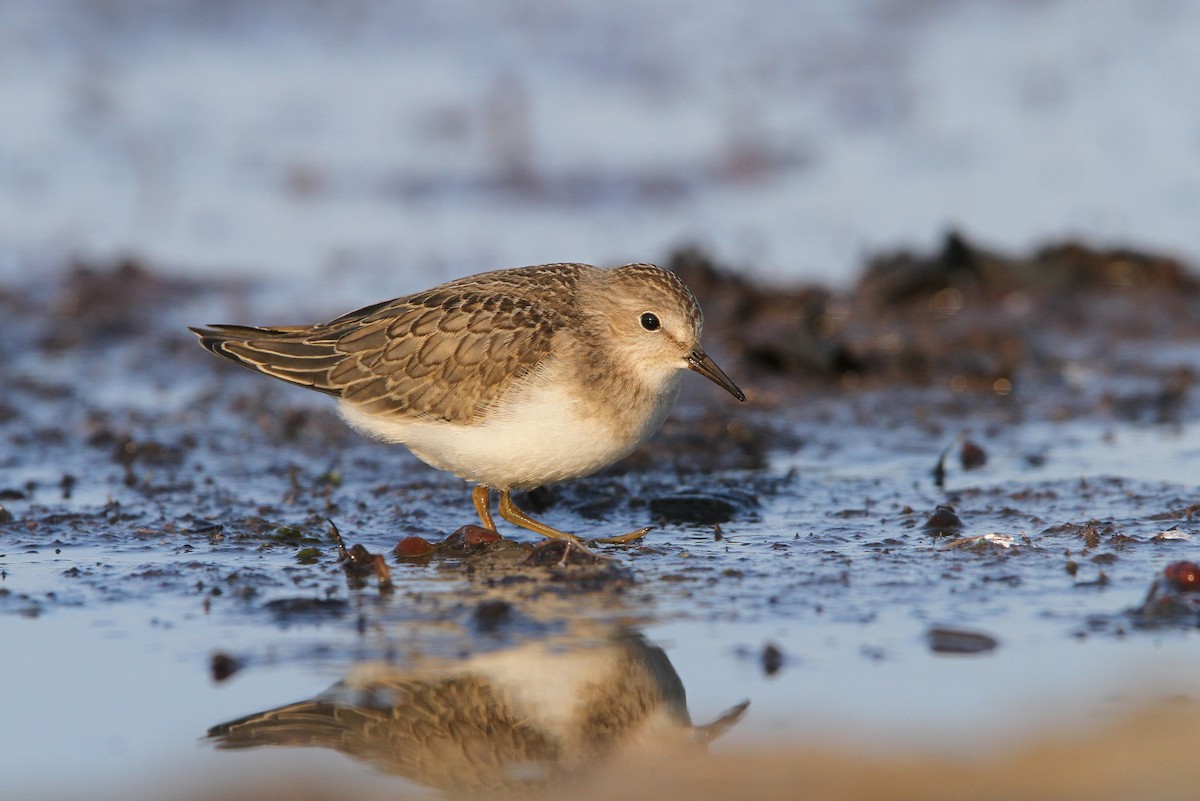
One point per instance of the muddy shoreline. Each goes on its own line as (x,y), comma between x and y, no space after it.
(931,443)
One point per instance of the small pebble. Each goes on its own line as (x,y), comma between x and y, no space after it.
(1184,576)
(223,666)
(972,456)
(489,615)
(943,522)
(959,641)
(412,548)
(772,659)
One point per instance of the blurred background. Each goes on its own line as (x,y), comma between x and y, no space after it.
(406,142)
(334,153)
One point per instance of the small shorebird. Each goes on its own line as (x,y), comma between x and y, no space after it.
(510,379)
(503,720)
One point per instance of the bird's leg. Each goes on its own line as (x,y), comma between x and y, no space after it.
(480,495)
(509,511)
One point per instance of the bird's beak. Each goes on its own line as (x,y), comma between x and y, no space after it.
(699,361)
(707,733)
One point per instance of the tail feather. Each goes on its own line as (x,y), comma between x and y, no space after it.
(293,355)
(307,723)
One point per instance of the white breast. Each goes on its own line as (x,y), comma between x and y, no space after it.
(538,436)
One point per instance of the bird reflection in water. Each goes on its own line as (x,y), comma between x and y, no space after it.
(518,718)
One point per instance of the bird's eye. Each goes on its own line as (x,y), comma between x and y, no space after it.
(650,321)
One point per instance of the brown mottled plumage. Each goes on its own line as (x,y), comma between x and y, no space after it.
(510,379)
(447,353)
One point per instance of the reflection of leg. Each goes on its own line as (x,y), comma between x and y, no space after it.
(509,511)
(483,507)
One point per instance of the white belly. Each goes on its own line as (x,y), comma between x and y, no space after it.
(541,437)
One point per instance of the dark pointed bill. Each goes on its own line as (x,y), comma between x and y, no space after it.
(710,731)
(699,361)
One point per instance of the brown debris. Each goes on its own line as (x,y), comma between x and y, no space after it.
(490,615)
(1173,598)
(971,455)
(223,666)
(467,539)
(771,329)
(101,301)
(943,522)
(470,538)
(965,318)
(358,561)
(772,659)
(973,272)
(1184,576)
(706,507)
(413,548)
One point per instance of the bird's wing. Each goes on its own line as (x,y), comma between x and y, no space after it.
(448,354)
(441,732)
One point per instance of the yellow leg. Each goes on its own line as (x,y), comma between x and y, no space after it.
(509,511)
(483,507)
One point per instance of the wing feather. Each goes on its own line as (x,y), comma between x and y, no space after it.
(449,353)
(452,732)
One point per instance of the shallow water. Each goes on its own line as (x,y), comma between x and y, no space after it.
(192,498)
(281,166)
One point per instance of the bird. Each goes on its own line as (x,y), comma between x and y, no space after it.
(510,379)
(478,725)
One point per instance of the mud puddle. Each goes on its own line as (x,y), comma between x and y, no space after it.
(953,513)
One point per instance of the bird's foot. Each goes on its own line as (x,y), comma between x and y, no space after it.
(510,512)
(625,539)
(560,550)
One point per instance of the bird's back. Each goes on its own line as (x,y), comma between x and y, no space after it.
(448,353)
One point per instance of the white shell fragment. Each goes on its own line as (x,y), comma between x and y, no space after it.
(1172,533)
(1003,540)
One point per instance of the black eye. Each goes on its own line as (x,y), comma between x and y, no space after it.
(650,321)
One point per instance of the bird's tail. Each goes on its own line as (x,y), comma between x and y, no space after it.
(294,355)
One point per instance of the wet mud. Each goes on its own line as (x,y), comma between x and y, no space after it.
(924,441)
